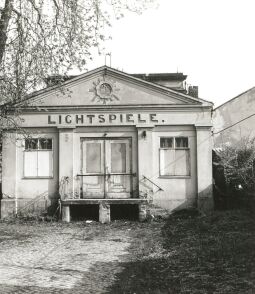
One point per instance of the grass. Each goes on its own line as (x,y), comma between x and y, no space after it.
(193,254)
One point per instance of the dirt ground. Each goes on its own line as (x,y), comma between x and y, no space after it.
(39,257)
(185,254)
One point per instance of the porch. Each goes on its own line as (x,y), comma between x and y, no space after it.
(104,206)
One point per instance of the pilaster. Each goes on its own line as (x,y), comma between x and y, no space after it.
(66,159)
(8,205)
(204,168)
(9,162)
(145,162)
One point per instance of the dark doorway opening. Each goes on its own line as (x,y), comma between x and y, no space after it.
(124,211)
(84,212)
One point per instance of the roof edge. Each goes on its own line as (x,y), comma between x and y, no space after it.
(234,98)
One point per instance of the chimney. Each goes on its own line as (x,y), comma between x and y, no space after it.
(193,91)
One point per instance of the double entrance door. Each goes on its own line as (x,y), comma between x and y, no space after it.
(106,168)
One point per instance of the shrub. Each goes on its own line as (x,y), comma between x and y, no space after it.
(236,164)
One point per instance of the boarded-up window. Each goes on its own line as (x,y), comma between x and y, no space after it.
(174,156)
(38,158)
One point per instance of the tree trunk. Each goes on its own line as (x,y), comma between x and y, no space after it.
(4,22)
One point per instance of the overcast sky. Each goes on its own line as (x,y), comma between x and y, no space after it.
(212,41)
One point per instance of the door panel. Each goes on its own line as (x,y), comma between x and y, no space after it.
(93,168)
(118,165)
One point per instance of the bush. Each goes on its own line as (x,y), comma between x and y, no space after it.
(234,174)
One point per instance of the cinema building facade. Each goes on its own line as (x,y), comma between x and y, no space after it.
(108,138)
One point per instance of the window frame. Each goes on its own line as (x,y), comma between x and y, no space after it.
(51,176)
(175,148)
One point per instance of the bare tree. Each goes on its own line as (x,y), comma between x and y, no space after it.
(41,38)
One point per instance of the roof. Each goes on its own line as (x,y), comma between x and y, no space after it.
(161,77)
(121,74)
(151,77)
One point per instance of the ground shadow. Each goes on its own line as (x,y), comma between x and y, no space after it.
(201,255)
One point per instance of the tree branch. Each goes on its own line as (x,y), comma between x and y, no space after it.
(4,22)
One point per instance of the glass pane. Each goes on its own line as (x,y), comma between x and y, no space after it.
(31,144)
(167,163)
(166,142)
(182,163)
(44,163)
(93,157)
(181,142)
(30,164)
(45,144)
(118,157)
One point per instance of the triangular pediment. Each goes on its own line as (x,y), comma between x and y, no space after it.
(109,87)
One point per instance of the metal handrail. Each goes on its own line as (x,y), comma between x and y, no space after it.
(107,174)
(159,188)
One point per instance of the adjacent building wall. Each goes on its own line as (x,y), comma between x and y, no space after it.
(235,119)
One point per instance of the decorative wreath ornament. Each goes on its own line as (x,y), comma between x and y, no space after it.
(104,91)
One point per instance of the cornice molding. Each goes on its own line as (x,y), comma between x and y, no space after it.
(113,108)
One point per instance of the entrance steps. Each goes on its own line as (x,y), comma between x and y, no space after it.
(155,211)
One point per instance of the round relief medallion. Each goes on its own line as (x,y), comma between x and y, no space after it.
(104,90)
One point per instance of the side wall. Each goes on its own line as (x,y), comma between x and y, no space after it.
(238,116)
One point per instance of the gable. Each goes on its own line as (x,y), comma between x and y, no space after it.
(108,87)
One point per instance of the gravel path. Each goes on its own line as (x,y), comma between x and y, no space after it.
(61,258)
